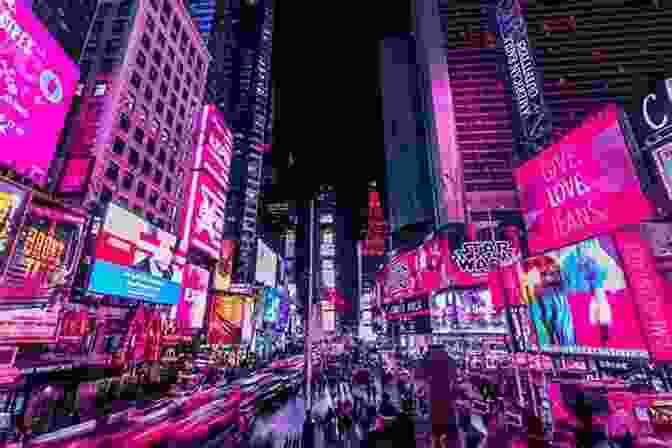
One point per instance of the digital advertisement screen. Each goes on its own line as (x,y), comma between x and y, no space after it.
(76,175)
(224,269)
(214,145)
(271,305)
(38,81)
(267,265)
(192,306)
(577,297)
(205,215)
(12,203)
(224,325)
(135,259)
(467,311)
(45,255)
(248,322)
(579,187)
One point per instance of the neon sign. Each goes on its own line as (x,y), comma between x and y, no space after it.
(41,250)
(479,257)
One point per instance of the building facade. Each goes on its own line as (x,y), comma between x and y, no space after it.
(143,81)
(203,12)
(239,84)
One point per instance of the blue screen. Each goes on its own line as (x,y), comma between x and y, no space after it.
(115,280)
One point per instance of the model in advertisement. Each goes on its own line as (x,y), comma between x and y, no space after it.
(161,262)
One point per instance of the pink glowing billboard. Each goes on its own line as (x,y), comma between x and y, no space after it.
(584,185)
(214,143)
(38,81)
(192,306)
(76,175)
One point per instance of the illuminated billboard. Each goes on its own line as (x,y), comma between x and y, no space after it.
(580,186)
(271,305)
(135,259)
(226,315)
(224,269)
(46,255)
(468,310)
(209,182)
(577,297)
(192,306)
(35,95)
(267,265)
(12,203)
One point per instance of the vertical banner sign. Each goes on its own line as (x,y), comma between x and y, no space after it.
(646,285)
(533,117)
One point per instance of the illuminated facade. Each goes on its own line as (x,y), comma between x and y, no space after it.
(143,80)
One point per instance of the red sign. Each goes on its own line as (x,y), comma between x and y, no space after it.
(580,186)
(209,182)
(377,228)
(646,286)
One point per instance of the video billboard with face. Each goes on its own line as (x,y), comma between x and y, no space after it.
(135,259)
(577,297)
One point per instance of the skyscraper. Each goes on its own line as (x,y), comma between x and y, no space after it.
(143,79)
(240,41)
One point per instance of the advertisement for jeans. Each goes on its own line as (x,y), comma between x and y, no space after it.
(37,81)
(578,297)
(135,259)
(467,311)
(580,186)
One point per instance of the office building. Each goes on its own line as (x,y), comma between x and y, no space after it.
(67,20)
(143,79)
(239,84)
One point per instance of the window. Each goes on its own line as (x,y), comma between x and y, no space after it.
(150,215)
(136,80)
(118,27)
(124,121)
(112,171)
(151,146)
(179,127)
(127,182)
(159,107)
(188,80)
(168,186)
(176,84)
(183,112)
(156,56)
(153,73)
(163,90)
(164,206)
(112,46)
(141,60)
(162,156)
(153,198)
(173,100)
(161,40)
(139,135)
(148,93)
(171,165)
(150,24)
(142,189)
(180,68)
(118,146)
(133,158)
(176,28)
(146,42)
(185,94)
(171,54)
(167,72)
(100,89)
(146,167)
(125,9)
(170,117)
(158,177)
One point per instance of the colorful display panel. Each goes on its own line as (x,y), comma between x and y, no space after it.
(38,81)
(224,325)
(580,186)
(12,202)
(192,306)
(467,311)
(578,299)
(267,265)
(45,255)
(224,269)
(135,259)
(76,174)
(272,299)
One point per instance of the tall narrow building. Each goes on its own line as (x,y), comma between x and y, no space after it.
(240,41)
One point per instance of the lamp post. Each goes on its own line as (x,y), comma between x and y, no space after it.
(308,424)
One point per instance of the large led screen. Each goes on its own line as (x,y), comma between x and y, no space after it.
(271,305)
(267,265)
(38,81)
(224,325)
(204,217)
(135,259)
(584,185)
(192,307)
(467,311)
(12,201)
(577,297)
